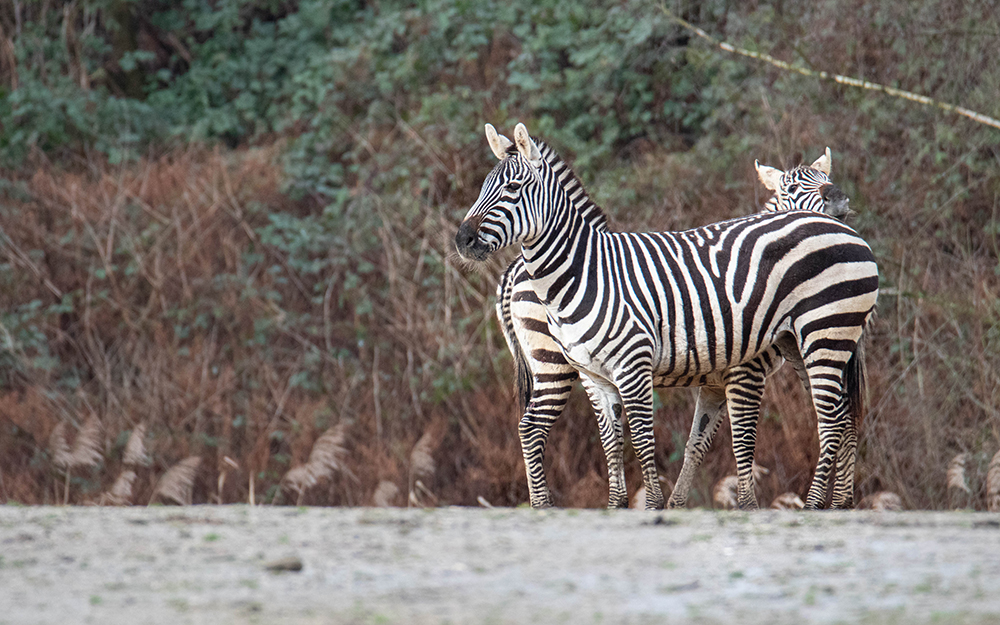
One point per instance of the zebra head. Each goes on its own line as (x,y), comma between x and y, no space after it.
(507,209)
(806,187)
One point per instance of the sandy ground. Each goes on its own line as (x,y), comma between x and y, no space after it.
(209,564)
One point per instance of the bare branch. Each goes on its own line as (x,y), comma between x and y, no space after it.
(843,80)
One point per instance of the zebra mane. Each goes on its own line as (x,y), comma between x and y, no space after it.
(591,212)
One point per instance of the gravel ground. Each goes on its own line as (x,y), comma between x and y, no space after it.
(236,564)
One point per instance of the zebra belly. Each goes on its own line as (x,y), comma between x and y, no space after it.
(674,381)
(580,356)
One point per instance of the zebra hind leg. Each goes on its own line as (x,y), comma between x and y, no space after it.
(608,408)
(830,402)
(707,418)
(544,409)
(854,380)
(636,391)
(744,389)
(843,485)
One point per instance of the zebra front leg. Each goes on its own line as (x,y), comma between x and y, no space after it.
(707,417)
(608,409)
(544,409)
(636,391)
(744,389)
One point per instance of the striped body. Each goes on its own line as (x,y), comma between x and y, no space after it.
(693,308)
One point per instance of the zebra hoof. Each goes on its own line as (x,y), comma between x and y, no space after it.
(654,504)
(749,504)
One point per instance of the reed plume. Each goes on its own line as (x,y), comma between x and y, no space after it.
(958,486)
(84,453)
(135,449)
(422,467)
(788,501)
(327,456)
(724,493)
(120,493)
(385,494)
(177,484)
(882,500)
(993,484)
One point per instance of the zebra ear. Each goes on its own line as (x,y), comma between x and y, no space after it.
(823,163)
(526,146)
(769,176)
(498,142)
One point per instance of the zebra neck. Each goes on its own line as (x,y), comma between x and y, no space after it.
(571,185)
(556,259)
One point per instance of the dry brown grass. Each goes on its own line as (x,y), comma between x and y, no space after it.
(172,367)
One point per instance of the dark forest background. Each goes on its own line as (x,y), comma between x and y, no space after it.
(226,234)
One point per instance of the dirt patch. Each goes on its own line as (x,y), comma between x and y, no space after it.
(236,564)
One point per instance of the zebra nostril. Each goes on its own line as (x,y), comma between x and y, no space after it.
(466,237)
(463,238)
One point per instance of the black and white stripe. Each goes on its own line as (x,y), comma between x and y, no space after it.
(692,308)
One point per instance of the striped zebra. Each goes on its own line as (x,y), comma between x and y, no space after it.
(692,308)
(545,379)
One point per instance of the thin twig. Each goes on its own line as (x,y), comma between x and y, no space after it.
(822,75)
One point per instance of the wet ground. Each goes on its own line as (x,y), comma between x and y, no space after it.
(236,564)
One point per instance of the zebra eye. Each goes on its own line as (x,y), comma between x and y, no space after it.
(513,186)
(792,188)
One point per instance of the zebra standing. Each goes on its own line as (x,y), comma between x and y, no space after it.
(545,379)
(691,308)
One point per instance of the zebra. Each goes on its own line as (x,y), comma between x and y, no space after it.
(545,379)
(692,308)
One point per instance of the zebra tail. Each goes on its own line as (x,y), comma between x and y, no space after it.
(855,380)
(523,381)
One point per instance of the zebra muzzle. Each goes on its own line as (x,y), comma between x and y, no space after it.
(468,243)
(835,201)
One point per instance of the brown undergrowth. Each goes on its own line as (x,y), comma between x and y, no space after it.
(143,300)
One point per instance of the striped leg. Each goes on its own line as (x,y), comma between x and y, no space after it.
(744,389)
(636,389)
(843,489)
(854,380)
(608,408)
(843,485)
(548,399)
(828,396)
(707,417)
